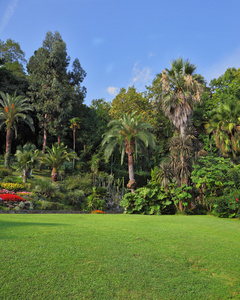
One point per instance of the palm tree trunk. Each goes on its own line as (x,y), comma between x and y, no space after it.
(25,174)
(59,140)
(54,174)
(132,183)
(9,138)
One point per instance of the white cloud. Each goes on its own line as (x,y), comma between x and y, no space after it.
(112,90)
(8,14)
(150,54)
(218,69)
(141,76)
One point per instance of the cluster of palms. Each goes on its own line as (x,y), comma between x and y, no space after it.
(180,90)
(14,109)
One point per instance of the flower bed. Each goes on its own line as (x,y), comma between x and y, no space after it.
(12,186)
(11,198)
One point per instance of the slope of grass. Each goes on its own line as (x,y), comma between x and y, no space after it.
(119,257)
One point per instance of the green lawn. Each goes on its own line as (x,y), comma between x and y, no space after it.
(55,256)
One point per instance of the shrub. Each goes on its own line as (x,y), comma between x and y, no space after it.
(48,205)
(44,189)
(151,200)
(75,198)
(79,182)
(227,206)
(97,200)
(5,172)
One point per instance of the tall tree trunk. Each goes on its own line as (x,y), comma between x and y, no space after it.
(59,140)
(9,138)
(74,139)
(44,139)
(74,144)
(132,183)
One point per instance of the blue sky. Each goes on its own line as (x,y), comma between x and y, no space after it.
(121,43)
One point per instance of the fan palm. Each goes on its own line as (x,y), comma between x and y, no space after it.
(55,158)
(126,133)
(13,109)
(27,157)
(181,90)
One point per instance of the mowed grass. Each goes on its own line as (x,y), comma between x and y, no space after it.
(54,256)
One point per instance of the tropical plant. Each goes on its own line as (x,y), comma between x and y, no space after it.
(126,133)
(13,109)
(56,156)
(181,90)
(27,158)
(97,200)
(45,190)
(151,200)
(225,128)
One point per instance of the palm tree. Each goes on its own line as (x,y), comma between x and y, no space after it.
(95,161)
(181,90)
(225,128)
(56,156)
(14,108)
(125,133)
(27,157)
(74,125)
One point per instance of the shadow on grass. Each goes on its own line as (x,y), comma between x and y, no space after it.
(6,225)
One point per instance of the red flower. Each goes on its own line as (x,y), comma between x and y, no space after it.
(236,199)
(10,197)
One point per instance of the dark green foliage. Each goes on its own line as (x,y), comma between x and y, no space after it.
(46,190)
(97,200)
(82,182)
(47,205)
(228,206)
(182,193)
(4,172)
(218,183)
(150,200)
(75,198)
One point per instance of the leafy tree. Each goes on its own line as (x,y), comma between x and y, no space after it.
(27,158)
(10,51)
(226,87)
(181,90)
(12,74)
(126,133)
(13,109)
(215,177)
(54,89)
(129,101)
(55,158)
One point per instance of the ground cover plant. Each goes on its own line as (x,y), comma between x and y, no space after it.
(104,256)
